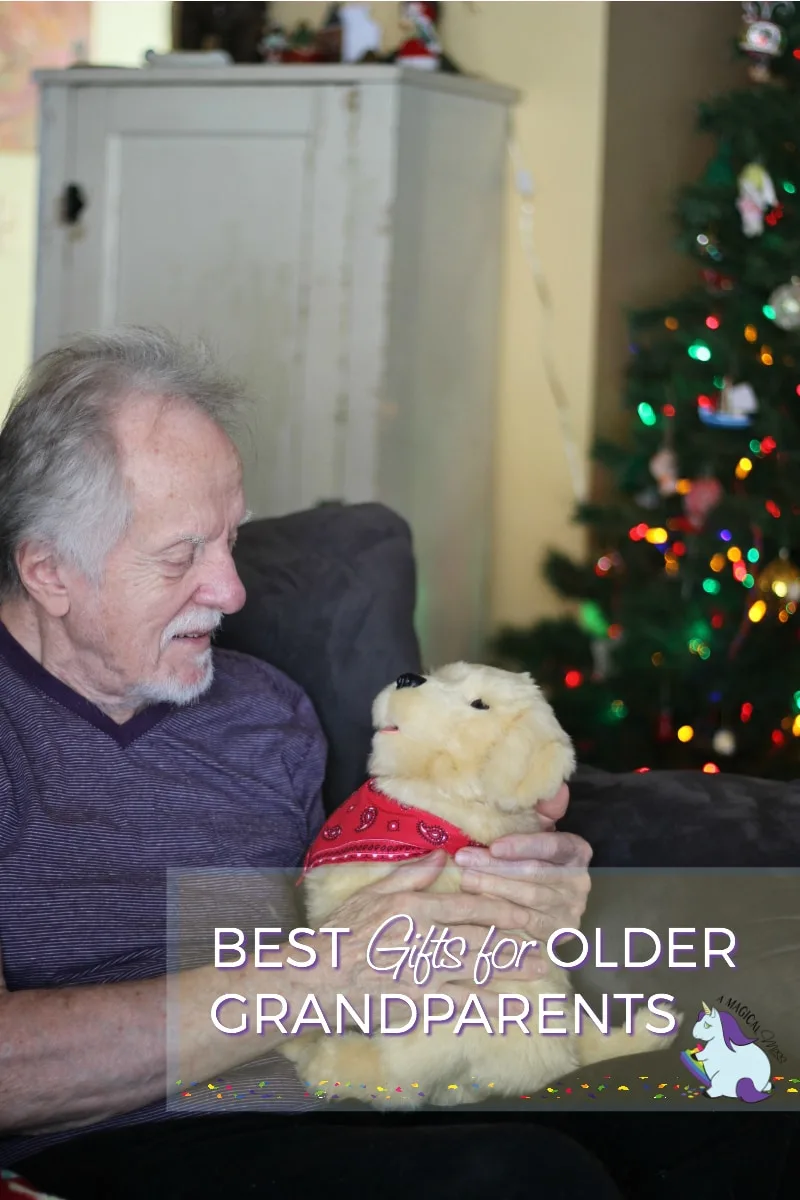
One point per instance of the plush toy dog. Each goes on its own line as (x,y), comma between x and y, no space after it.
(461,756)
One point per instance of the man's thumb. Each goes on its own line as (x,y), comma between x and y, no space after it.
(414,876)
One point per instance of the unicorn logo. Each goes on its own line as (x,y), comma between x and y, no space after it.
(730,1063)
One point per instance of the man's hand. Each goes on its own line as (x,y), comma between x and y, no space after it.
(545,872)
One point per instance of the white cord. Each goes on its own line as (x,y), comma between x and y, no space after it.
(523,182)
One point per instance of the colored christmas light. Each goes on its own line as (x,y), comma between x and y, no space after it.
(767,445)
(678,548)
(717,562)
(668,410)
(671,323)
(796,726)
(769,313)
(699,351)
(657,535)
(573,679)
(755,446)
(711,768)
(713,322)
(614,632)
(753,555)
(751,333)
(746,712)
(725,535)
(772,509)
(734,554)
(788,187)
(747,580)
(712,586)
(778,737)
(717,621)
(657,658)
(683,487)
(618,709)
(685,733)
(766,356)
(638,532)
(646,413)
(756,611)
(744,466)
(641,770)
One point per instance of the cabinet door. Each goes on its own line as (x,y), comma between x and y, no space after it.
(223,212)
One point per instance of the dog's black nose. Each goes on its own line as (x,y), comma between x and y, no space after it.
(410,680)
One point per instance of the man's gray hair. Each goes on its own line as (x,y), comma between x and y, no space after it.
(61,481)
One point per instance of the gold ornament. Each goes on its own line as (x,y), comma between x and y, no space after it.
(780,580)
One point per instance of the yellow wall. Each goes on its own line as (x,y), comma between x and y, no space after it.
(120,33)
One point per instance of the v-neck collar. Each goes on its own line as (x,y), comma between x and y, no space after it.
(26,666)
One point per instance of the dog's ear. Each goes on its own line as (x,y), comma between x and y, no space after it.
(523,767)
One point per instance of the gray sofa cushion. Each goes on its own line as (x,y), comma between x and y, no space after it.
(685,819)
(330,601)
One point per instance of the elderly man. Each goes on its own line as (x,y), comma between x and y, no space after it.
(130,746)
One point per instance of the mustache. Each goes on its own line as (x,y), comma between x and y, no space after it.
(204,621)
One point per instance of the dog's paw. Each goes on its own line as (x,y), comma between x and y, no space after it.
(645,1039)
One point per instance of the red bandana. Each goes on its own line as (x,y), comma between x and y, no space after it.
(371,827)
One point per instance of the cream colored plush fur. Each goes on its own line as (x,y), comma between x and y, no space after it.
(484,770)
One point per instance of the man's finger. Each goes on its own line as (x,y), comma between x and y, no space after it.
(563,849)
(414,876)
(556,806)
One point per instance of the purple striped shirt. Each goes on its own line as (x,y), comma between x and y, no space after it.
(93,815)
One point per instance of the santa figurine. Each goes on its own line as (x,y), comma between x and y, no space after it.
(422,49)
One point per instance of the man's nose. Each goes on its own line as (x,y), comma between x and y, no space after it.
(410,680)
(223,589)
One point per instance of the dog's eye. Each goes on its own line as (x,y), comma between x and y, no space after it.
(478,704)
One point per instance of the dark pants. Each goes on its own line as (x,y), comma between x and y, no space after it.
(719,1156)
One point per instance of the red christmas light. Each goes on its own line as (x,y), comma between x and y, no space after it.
(669,411)
(796,52)
(775,215)
(711,768)
(638,532)
(641,770)
(573,679)
(679,549)
(717,621)
(772,509)
(746,712)
(777,737)
(712,322)
(705,402)
(768,444)
(614,632)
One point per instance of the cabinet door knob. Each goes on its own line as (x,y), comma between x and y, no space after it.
(73,202)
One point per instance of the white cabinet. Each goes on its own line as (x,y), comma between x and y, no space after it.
(336,234)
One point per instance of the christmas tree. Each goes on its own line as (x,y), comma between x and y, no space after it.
(685,648)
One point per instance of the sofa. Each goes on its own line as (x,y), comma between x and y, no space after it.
(330,601)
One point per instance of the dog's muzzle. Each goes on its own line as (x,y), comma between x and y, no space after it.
(410,680)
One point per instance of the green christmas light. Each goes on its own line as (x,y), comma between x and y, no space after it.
(753,555)
(769,312)
(755,445)
(618,710)
(646,413)
(748,581)
(699,351)
(719,382)
(796,701)
(592,619)
(788,187)
(711,586)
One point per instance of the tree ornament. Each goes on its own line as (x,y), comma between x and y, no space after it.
(664,469)
(724,742)
(762,39)
(780,580)
(704,495)
(735,404)
(664,730)
(716,282)
(423,48)
(756,196)
(785,302)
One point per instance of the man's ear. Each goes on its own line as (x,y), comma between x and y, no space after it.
(41,574)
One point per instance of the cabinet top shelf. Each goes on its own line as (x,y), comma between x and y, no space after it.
(271,76)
